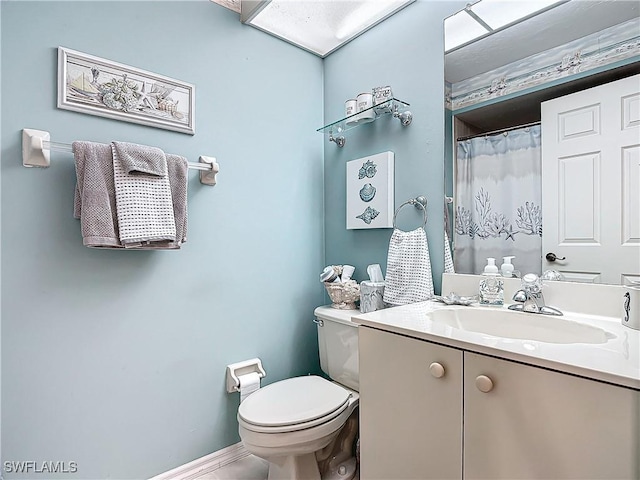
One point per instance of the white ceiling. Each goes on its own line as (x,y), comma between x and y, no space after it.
(560,25)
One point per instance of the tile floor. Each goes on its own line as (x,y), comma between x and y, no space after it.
(247,468)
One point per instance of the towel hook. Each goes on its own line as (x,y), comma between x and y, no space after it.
(418,202)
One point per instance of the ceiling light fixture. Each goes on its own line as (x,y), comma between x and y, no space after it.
(318,26)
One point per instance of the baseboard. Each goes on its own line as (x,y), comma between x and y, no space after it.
(208,463)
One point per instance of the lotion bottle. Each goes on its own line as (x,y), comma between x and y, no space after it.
(491,291)
(507,267)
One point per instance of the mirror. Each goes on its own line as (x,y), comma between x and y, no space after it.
(498,82)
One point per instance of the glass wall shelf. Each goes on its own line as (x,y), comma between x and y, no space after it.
(397,108)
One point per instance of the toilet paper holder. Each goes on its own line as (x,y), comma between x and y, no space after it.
(235,370)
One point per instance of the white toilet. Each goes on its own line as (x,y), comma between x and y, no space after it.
(305,426)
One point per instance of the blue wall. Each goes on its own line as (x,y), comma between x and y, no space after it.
(406,52)
(116,360)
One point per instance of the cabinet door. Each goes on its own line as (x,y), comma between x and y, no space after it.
(535,423)
(410,420)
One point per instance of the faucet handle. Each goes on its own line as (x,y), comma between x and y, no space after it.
(532,283)
(520,296)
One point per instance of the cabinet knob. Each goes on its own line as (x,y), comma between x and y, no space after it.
(484,383)
(436,369)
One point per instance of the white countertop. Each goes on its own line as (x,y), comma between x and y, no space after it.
(615,361)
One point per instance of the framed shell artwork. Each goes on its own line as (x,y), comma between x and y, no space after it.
(97,86)
(370,192)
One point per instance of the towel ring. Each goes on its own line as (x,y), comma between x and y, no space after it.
(418,202)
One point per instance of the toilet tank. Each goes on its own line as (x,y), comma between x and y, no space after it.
(338,345)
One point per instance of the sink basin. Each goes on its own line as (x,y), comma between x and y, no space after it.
(522,326)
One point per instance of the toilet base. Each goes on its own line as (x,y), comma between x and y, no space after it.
(294,467)
(332,458)
(338,460)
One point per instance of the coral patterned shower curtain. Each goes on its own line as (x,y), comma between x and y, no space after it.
(498,198)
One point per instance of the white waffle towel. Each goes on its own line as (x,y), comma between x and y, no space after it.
(408,278)
(143,194)
(448,258)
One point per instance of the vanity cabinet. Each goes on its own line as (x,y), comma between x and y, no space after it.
(487,417)
(536,423)
(410,408)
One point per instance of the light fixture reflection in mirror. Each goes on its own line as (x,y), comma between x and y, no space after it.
(319,26)
(484,17)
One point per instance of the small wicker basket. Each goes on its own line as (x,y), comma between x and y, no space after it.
(343,294)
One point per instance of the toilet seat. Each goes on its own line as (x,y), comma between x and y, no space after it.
(293,404)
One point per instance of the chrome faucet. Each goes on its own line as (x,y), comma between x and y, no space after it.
(530,298)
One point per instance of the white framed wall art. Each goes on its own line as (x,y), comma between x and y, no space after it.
(370,191)
(97,86)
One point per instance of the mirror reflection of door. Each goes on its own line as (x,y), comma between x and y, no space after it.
(591,169)
(499,82)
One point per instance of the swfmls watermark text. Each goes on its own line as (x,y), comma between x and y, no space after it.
(38,467)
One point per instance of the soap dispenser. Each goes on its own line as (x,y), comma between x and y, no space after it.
(491,292)
(507,267)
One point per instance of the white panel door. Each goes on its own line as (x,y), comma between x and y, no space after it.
(591,183)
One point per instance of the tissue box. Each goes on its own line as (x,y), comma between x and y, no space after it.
(371,294)
(343,295)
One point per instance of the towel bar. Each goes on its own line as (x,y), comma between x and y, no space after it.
(37,146)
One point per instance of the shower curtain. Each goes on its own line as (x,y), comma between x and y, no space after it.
(498,198)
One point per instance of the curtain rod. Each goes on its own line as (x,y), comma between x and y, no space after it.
(495,132)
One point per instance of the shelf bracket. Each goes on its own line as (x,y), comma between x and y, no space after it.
(340,141)
(405,117)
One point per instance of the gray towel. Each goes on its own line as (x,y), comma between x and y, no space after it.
(143,201)
(141,159)
(178,168)
(95,201)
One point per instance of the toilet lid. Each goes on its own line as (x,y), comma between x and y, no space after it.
(293,401)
